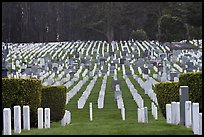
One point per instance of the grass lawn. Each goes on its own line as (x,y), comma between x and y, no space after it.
(108,120)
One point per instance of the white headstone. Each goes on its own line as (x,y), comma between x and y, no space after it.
(155,113)
(145,115)
(188,114)
(40,118)
(91,115)
(17,119)
(7,121)
(173,112)
(168,113)
(63,122)
(195,118)
(26,117)
(178,112)
(139,115)
(47,117)
(200,124)
(68,117)
(152,107)
(123,113)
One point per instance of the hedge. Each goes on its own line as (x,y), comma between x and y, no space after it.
(54,97)
(194,82)
(18,91)
(166,93)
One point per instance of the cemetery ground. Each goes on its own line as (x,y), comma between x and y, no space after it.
(55,63)
(108,120)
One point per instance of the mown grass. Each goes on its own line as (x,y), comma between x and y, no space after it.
(108,120)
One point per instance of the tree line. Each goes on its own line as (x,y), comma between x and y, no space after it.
(66,21)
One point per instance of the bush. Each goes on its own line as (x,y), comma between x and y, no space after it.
(21,92)
(54,97)
(139,35)
(166,92)
(194,82)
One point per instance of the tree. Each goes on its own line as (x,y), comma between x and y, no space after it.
(106,17)
(64,21)
(193,18)
(139,35)
(195,33)
(191,14)
(172,29)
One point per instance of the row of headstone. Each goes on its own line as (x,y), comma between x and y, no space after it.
(26,119)
(46,118)
(82,100)
(118,96)
(137,98)
(192,115)
(102,92)
(147,86)
(76,88)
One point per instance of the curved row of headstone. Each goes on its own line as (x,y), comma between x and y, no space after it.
(82,100)
(76,88)
(147,86)
(94,70)
(85,72)
(137,98)
(87,51)
(118,97)
(148,89)
(123,69)
(102,93)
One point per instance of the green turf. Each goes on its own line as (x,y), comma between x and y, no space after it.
(108,120)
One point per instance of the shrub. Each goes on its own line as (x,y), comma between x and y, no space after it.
(166,92)
(21,92)
(139,35)
(54,97)
(194,82)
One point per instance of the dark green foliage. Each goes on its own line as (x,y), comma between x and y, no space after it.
(172,29)
(195,32)
(151,26)
(193,13)
(194,82)
(21,92)
(166,92)
(54,97)
(59,21)
(139,35)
